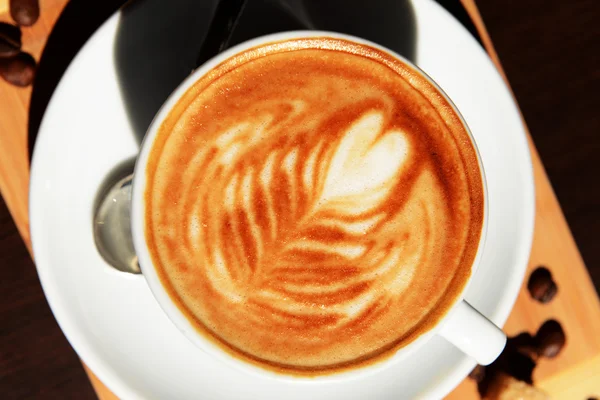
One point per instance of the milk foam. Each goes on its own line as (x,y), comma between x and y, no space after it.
(319,212)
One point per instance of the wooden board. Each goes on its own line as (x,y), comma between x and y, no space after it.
(574,374)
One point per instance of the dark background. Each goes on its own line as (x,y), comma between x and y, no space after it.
(549,50)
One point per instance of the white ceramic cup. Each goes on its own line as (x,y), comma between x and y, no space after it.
(463,326)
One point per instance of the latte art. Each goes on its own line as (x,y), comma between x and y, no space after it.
(313,205)
(294,214)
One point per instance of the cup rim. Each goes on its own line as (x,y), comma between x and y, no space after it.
(157,289)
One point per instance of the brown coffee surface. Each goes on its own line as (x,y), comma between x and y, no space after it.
(313,205)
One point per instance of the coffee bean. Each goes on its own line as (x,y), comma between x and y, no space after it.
(522,340)
(478,373)
(518,365)
(541,286)
(25,12)
(524,343)
(550,339)
(10,40)
(7,50)
(18,70)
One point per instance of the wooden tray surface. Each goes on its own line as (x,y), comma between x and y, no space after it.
(574,374)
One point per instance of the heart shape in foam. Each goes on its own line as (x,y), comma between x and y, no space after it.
(365,164)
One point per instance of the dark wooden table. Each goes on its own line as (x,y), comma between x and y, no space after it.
(549,50)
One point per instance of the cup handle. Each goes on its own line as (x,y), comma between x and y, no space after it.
(473,334)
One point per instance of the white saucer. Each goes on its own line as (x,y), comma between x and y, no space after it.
(112,319)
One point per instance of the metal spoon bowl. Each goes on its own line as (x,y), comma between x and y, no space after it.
(112,227)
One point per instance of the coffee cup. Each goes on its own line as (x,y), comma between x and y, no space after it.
(311,204)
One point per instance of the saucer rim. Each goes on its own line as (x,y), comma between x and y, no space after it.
(103,368)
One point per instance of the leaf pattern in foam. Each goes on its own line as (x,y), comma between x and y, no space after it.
(297,222)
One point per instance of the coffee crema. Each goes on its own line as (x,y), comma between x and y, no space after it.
(313,205)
